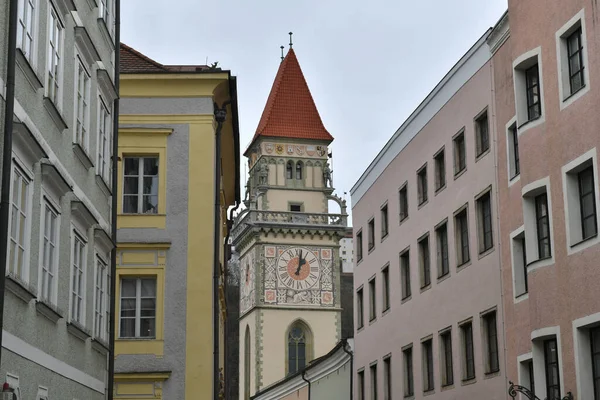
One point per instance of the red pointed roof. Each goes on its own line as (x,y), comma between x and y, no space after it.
(290,111)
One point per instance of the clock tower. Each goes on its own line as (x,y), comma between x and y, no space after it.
(287,239)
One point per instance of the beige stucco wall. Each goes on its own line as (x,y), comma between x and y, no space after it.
(335,386)
(250,322)
(314,202)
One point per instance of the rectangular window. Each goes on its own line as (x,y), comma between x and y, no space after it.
(78,279)
(100,309)
(424,262)
(552,369)
(408,372)
(462,237)
(373,371)
(387,378)
(575,59)
(25,27)
(360,308)
(403,195)
(427,349)
(440,170)
(359,246)
(491,340)
(595,341)
(385,277)
(295,207)
(422,184)
(484,214)
(532,89)
(138,308)
(19,224)
(104,142)
(361,385)
(55,56)
(106,8)
(587,203)
(468,352)
(447,367)
(460,154)
(140,188)
(405,274)
(384,221)
(49,252)
(542,225)
(441,233)
(513,151)
(372,300)
(531,377)
(519,254)
(371,232)
(82,105)
(482,138)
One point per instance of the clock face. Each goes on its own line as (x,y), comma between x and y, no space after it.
(298,268)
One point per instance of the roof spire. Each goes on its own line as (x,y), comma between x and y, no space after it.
(291,39)
(282,53)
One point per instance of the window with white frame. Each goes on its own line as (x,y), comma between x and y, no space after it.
(78,279)
(138,307)
(26,27)
(106,8)
(19,224)
(55,57)
(100,298)
(50,232)
(82,105)
(537,216)
(103,164)
(529,88)
(572,58)
(512,136)
(42,393)
(140,188)
(519,263)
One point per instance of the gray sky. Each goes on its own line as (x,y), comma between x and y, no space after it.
(368,64)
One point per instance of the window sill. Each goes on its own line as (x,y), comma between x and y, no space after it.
(594,236)
(539,263)
(92,4)
(409,397)
(425,288)
(482,154)
(429,392)
(485,253)
(468,381)
(402,220)
(103,185)
(462,266)
(136,339)
(407,298)
(422,204)
(82,155)
(492,374)
(448,386)
(55,114)
(372,321)
(28,70)
(386,311)
(358,261)
(442,278)
(529,122)
(360,329)
(570,96)
(49,310)
(100,346)
(383,237)
(522,297)
(460,173)
(440,189)
(20,288)
(66,6)
(78,331)
(514,179)
(371,249)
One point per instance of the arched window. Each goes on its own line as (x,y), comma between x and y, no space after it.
(247,364)
(289,170)
(299,344)
(299,170)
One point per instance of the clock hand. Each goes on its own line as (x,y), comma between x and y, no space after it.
(301,262)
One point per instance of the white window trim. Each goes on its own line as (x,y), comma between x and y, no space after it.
(509,147)
(42,393)
(138,302)
(76,231)
(33,58)
(572,209)
(104,174)
(520,92)
(523,377)
(539,368)
(103,331)
(140,191)
(562,61)
(513,235)
(528,193)
(47,199)
(13,382)
(79,59)
(61,67)
(582,350)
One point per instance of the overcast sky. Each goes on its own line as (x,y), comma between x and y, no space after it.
(368,63)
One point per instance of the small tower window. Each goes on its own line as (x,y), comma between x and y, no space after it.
(299,170)
(296,349)
(288,170)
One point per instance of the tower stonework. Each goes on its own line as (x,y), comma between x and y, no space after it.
(287,239)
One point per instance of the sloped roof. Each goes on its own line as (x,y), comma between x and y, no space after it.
(134,62)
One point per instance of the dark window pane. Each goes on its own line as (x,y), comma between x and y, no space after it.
(130,185)
(132,166)
(127,327)
(151,185)
(552,371)
(151,166)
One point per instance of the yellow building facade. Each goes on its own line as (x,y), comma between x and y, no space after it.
(171,119)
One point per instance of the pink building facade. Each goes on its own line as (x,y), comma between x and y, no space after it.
(428,311)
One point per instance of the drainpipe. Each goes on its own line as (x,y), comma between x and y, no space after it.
(9,109)
(351,354)
(307,381)
(113,224)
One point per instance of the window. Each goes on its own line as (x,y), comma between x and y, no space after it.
(552,369)
(572,60)
(82,102)
(373,373)
(440,170)
(19,224)
(384,221)
(422,184)
(484,214)
(371,232)
(532,89)
(360,308)
(427,349)
(25,28)
(42,393)
(424,262)
(575,61)
(247,355)
(408,372)
(296,348)
(441,233)
(106,8)
(299,170)
(447,368)
(372,300)
(595,341)
(468,351)
(519,264)
(587,203)
(101,294)
(359,246)
(288,170)
(295,207)
(387,378)
(78,279)
(138,308)
(405,274)
(482,136)
(460,153)
(526,375)
(55,55)
(461,224)
(49,253)
(491,342)
(529,89)
(403,195)
(140,194)
(361,385)
(104,142)
(542,225)
(385,277)
(513,152)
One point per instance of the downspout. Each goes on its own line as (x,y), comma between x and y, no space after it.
(113,225)
(9,109)
(351,354)
(307,381)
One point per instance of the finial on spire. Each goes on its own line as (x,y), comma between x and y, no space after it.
(291,40)
(281,52)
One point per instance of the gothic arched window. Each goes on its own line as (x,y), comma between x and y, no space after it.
(299,344)
(247,364)
(299,170)
(289,170)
